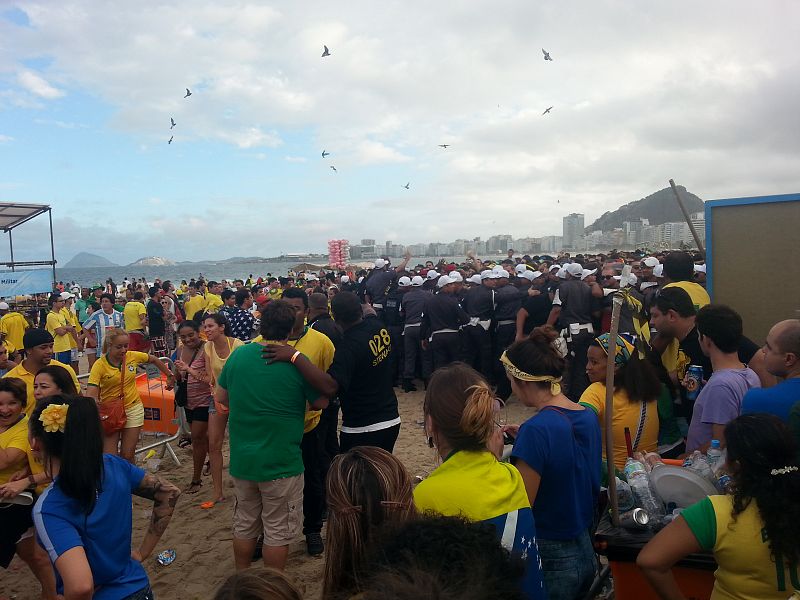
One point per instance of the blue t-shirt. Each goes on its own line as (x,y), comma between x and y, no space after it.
(105,534)
(564,448)
(776,400)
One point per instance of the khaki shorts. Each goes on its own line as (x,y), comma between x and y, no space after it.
(135,414)
(272,507)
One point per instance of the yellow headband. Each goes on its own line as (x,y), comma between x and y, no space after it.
(511,369)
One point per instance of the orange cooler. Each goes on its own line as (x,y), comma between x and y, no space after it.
(159,404)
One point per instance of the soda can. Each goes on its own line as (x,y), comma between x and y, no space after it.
(634,519)
(694,381)
(167,557)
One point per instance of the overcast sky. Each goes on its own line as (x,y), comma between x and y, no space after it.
(704,92)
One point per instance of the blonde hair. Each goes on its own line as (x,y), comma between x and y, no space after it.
(259,584)
(112,333)
(367,488)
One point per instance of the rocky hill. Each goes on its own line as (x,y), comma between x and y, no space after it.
(85,260)
(657,208)
(152,261)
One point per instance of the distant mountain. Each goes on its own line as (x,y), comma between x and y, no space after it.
(657,208)
(152,261)
(85,260)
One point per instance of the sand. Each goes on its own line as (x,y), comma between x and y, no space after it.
(202,538)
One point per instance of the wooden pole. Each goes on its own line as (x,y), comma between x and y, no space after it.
(612,353)
(688,219)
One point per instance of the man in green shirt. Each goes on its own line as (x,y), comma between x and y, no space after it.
(267,403)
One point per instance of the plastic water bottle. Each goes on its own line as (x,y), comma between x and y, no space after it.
(637,478)
(624,496)
(713,455)
(700,466)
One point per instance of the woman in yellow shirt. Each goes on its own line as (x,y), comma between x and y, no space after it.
(218,348)
(636,389)
(106,381)
(754,532)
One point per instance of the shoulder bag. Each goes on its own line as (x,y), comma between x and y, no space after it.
(112,412)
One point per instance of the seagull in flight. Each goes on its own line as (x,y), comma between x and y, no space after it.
(324,154)
(334,169)
(547,111)
(546,54)
(325,51)
(444,145)
(171,122)
(188,93)
(170,139)
(408,185)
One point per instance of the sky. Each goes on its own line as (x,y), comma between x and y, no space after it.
(702,92)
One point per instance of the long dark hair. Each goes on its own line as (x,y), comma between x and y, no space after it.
(79,447)
(220,320)
(761,444)
(60,377)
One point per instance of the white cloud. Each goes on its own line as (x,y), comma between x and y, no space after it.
(4,139)
(38,86)
(296,159)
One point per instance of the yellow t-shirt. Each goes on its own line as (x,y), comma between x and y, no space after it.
(72,319)
(20,372)
(213,302)
(15,436)
(54,321)
(14,325)
(192,305)
(107,377)
(133,313)
(626,414)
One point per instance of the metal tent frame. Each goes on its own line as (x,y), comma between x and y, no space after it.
(12,215)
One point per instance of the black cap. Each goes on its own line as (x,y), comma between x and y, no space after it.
(36,337)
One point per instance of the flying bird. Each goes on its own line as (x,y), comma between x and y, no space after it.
(408,185)
(334,169)
(325,52)
(546,54)
(170,139)
(188,93)
(171,122)
(444,145)
(547,111)
(324,154)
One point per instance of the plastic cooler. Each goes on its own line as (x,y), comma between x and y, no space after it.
(159,404)
(694,574)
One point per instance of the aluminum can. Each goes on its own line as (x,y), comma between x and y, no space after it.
(694,381)
(634,519)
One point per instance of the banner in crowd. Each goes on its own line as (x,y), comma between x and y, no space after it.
(18,283)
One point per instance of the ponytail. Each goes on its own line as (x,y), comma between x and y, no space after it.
(477,420)
(78,445)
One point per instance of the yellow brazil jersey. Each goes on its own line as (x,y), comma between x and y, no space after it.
(107,377)
(15,437)
(192,305)
(213,302)
(275,293)
(14,325)
(54,321)
(72,319)
(20,372)
(133,313)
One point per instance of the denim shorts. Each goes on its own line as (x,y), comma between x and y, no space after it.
(568,566)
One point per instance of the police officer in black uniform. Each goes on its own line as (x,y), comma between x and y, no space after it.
(478,303)
(508,301)
(412,306)
(441,321)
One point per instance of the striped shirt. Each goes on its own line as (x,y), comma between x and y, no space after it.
(100,321)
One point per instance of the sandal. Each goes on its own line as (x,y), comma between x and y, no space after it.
(184,441)
(193,487)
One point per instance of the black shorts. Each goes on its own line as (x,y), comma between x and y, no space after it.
(15,519)
(197,414)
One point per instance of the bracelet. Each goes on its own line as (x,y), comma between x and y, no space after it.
(294,356)
(31,480)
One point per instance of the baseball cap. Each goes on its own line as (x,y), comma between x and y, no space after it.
(4,306)
(443,281)
(554,267)
(529,275)
(536,274)
(66,295)
(417,281)
(562,273)
(658,270)
(521,268)
(650,261)
(700,268)
(379,263)
(476,279)
(404,281)
(344,279)
(499,273)
(626,281)
(456,277)
(487,274)
(587,272)
(574,269)
(432,274)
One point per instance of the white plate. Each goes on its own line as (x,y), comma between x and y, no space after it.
(680,486)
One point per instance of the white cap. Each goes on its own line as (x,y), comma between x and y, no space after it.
(417,281)
(626,281)
(587,272)
(76,289)
(555,266)
(521,268)
(404,281)
(574,269)
(536,275)
(658,270)
(487,274)
(562,273)
(700,268)
(455,277)
(476,279)
(650,261)
(344,279)
(312,277)
(66,295)
(499,273)
(379,263)
(529,275)
(4,306)
(432,274)
(443,281)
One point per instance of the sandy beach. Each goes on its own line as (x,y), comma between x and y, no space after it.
(202,538)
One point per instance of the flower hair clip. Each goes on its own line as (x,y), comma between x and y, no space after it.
(54,417)
(783,471)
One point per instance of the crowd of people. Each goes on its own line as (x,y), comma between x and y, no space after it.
(274,361)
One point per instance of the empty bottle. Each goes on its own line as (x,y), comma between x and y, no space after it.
(624,496)
(700,465)
(637,478)
(713,455)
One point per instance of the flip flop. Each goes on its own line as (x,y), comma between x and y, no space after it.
(207,505)
(193,487)
(183,442)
